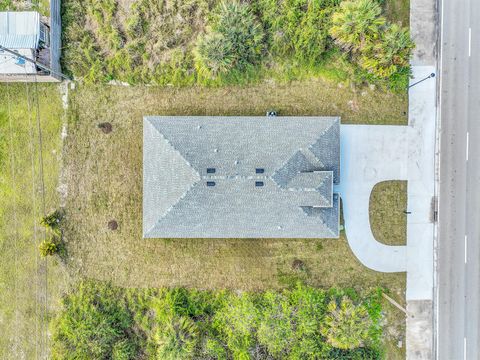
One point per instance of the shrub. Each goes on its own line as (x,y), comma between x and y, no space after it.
(176,339)
(52,220)
(275,329)
(94,324)
(297,29)
(48,247)
(213,55)
(346,326)
(390,54)
(233,41)
(236,322)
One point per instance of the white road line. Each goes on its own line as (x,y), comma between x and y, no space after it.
(469,41)
(466,148)
(466,248)
(465,348)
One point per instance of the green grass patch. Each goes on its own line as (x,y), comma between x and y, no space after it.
(102,321)
(24,276)
(388,220)
(42,6)
(397,11)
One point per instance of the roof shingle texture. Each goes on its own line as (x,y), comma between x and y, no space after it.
(301,161)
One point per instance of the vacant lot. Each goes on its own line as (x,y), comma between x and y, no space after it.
(25,298)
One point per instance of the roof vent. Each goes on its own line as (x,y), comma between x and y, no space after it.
(259,171)
(211,170)
(259,183)
(210,183)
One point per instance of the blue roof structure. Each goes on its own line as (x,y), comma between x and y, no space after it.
(19,30)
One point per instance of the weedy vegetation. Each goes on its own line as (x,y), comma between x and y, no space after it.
(213,42)
(99,320)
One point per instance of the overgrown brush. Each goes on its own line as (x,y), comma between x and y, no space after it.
(101,321)
(233,41)
(214,42)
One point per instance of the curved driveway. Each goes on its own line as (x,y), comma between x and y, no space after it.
(371,154)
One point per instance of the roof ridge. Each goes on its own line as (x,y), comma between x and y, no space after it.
(192,185)
(173,147)
(169,210)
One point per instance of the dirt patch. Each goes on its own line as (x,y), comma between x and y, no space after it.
(106,127)
(112,225)
(298,265)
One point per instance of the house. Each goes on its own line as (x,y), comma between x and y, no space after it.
(241,177)
(34,37)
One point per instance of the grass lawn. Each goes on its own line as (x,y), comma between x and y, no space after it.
(23,275)
(388,201)
(104,172)
(397,11)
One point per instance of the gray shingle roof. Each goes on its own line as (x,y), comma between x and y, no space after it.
(301,161)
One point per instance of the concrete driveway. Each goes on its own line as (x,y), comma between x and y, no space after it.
(374,153)
(370,154)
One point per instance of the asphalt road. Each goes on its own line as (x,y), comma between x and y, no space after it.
(458,272)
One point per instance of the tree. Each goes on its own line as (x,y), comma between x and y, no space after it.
(356,24)
(346,326)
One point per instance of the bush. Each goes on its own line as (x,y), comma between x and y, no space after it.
(233,41)
(236,321)
(48,247)
(390,54)
(52,221)
(176,339)
(276,328)
(297,29)
(95,324)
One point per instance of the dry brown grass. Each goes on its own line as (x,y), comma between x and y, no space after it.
(104,182)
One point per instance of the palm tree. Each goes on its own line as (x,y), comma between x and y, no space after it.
(356,24)
(388,55)
(346,326)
